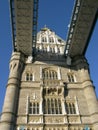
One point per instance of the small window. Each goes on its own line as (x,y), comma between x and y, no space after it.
(34,108)
(71,77)
(49,74)
(29,77)
(51,39)
(44,39)
(70,107)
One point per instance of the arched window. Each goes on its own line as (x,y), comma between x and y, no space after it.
(34,108)
(49,74)
(70,107)
(44,39)
(71,77)
(29,77)
(52,106)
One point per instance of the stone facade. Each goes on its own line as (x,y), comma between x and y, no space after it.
(46,93)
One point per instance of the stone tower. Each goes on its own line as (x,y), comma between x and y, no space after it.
(48,94)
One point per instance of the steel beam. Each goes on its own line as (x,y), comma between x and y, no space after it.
(84,16)
(24,14)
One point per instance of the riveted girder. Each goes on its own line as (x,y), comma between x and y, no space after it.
(24,15)
(82,23)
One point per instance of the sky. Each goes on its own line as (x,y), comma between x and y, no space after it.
(56,15)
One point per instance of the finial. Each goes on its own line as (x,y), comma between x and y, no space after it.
(45,28)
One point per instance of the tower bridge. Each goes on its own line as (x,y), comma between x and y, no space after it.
(47,94)
(24,17)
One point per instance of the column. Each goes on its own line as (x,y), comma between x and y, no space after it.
(8,116)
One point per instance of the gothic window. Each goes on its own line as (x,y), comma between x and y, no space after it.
(52,106)
(70,107)
(71,77)
(51,39)
(34,108)
(29,77)
(49,74)
(44,39)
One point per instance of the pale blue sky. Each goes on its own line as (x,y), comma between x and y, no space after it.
(56,15)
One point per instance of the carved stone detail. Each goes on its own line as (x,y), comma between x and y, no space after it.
(74,119)
(35,120)
(54,120)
